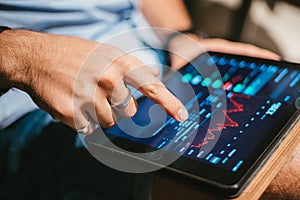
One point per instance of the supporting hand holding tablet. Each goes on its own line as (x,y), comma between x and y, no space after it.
(187,46)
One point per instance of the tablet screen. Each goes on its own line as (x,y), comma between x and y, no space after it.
(260,98)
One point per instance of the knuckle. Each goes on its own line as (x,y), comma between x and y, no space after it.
(107,81)
(67,111)
(68,114)
(127,62)
(65,115)
(62,117)
(132,111)
(107,124)
(62,113)
(55,116)
(152,89)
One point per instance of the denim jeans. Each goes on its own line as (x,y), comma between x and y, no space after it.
(39,161)
(16,137)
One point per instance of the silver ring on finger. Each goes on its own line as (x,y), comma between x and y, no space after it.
(89,128)
(124,103)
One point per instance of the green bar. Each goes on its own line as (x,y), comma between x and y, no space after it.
(217,84)
(215,75)
(226,77)
(206,82)
(238,88)
(187,78)
(225,160)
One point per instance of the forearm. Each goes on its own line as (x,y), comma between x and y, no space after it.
(14,57)
(26,54)
(17,50)
(169,14)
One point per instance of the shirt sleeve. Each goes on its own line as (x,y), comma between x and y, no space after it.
(13,105)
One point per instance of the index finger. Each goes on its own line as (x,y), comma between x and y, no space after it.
(154,89)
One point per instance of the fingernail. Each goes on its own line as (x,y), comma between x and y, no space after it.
(183,114)
(156,72)
(277,57)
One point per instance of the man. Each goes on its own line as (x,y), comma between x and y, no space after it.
(45,63)
(32,54)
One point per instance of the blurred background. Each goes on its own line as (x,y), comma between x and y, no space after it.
(272,24)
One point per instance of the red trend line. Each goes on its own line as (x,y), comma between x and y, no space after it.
(229,122)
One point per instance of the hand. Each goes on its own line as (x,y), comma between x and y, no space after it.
(186,47)
(66,76)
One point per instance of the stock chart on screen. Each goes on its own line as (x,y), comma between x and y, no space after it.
(255,96)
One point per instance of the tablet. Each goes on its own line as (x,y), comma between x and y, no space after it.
(258,101)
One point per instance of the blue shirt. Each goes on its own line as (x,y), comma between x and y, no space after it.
(100,20)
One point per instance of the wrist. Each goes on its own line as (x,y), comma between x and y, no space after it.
(184,47)
(191,33)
